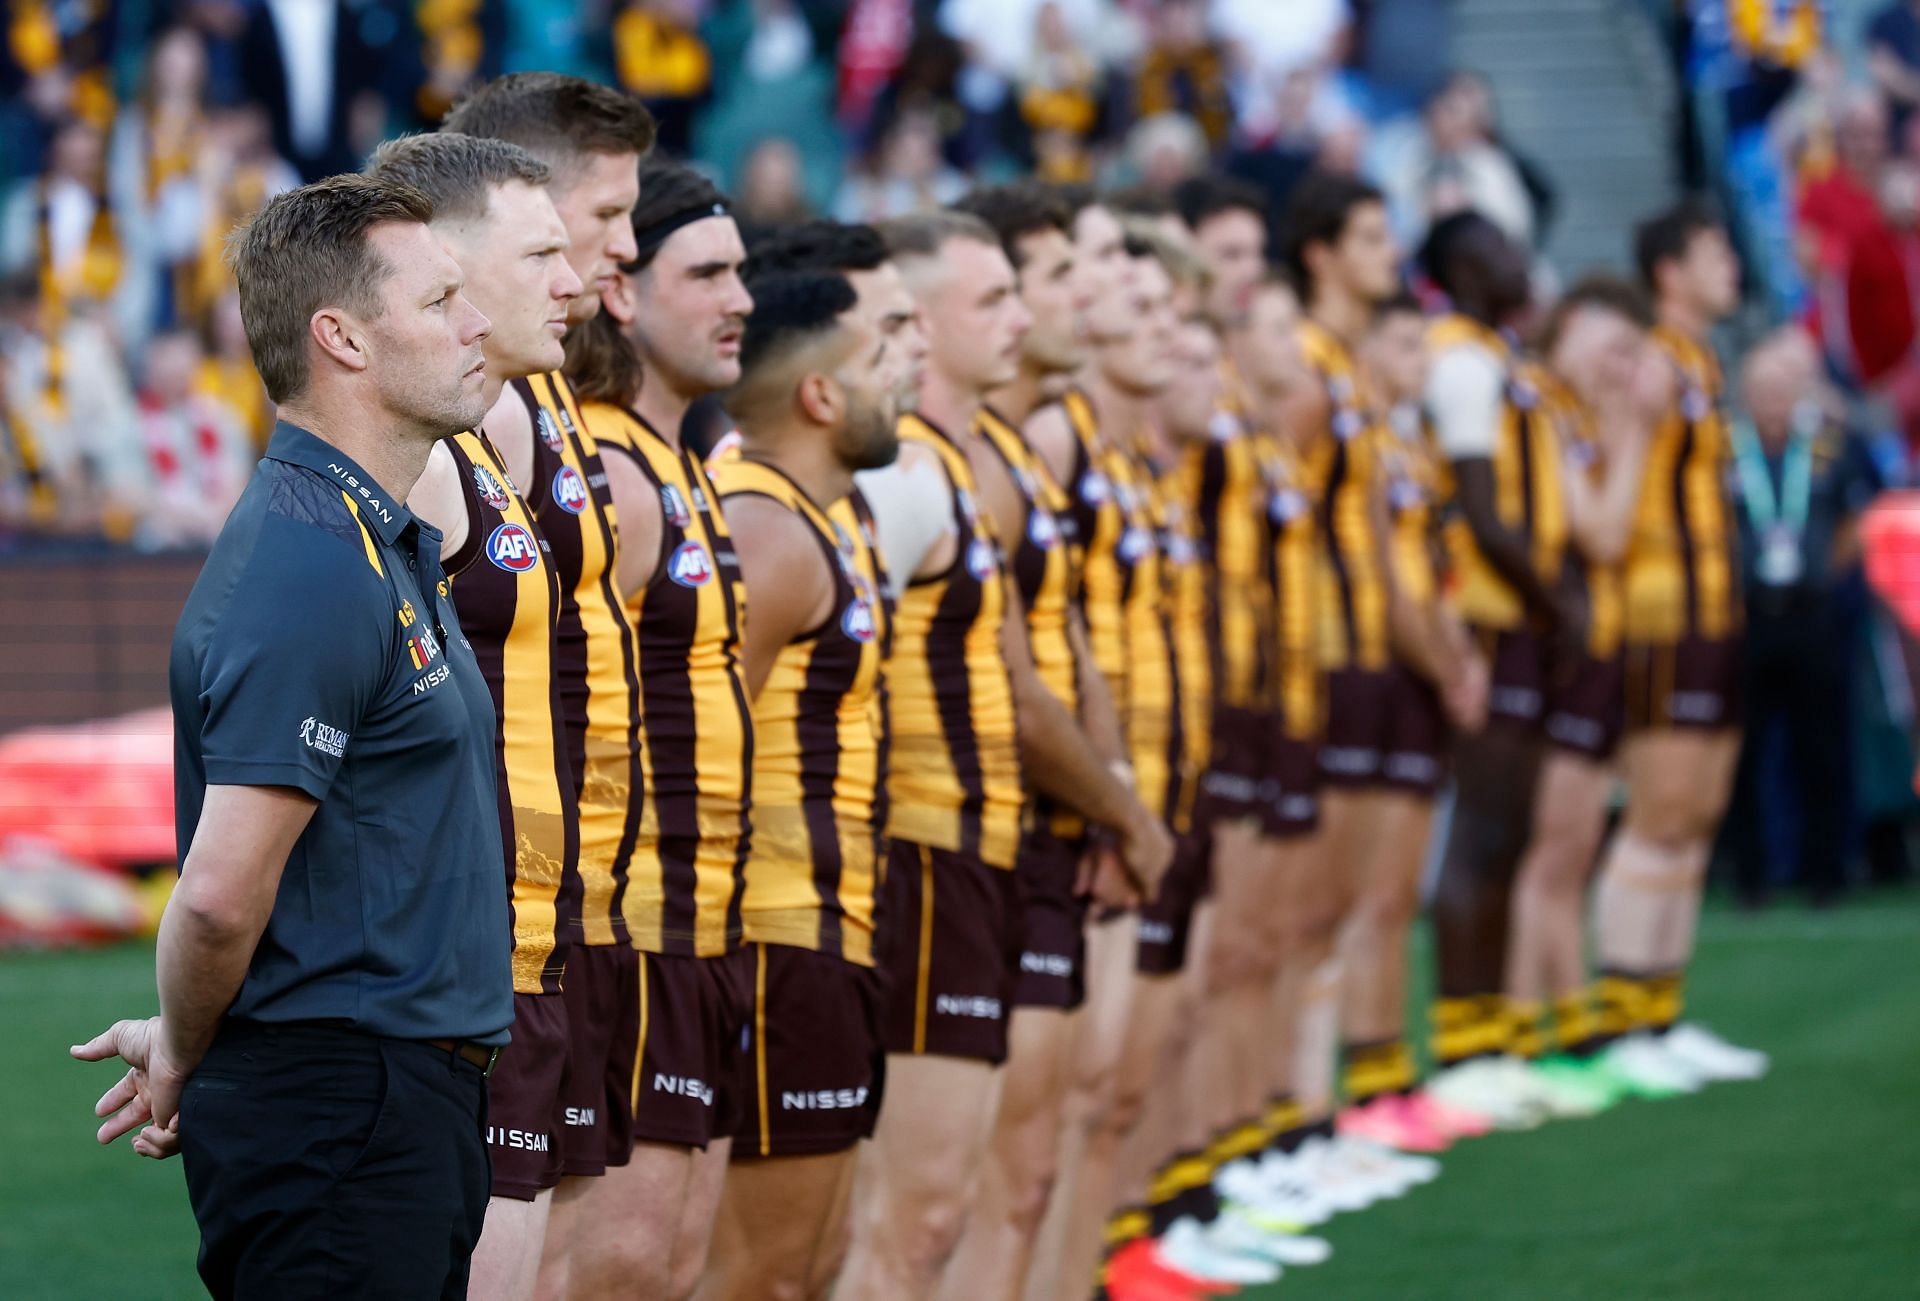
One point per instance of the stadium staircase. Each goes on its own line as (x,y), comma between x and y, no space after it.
(1585,89)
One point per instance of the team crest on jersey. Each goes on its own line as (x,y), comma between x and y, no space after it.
(1135,543)
(1095,488)
(982,563)
(1224,427)
(1694,404)
(1180,549)
(569,490)
(1042,529)
(1347,422)
(487,484)
(689,566)
(1285,506)
(1523,394)
(549,432)
(675,507)
(1403,493)
(857,621)
(512,548)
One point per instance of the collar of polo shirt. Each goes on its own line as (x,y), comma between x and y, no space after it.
(296,446)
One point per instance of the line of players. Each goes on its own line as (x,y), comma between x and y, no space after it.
(1033,714)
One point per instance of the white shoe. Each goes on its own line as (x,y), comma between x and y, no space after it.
(1484,1086)
(1275,1201)
(1711,1057)
(1640,1059)
(1340,1162)
(1339,1187)
(1409,1168)
(1540,1094)
(1189,1248)
(1236,1231)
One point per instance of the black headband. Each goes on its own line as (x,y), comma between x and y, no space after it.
(648,238)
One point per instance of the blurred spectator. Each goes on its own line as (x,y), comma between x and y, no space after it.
(461,43)
(1059,101)
(238,172)
(659,55)
(929,81)
(1286,147)
(907,173)
(1840,206)
(55,63)
(770,190)
(66,227)
(1002,37)
(1456,162)
(158,153)
(316,66)
(1184,69)
(873,45)
(1275,39)
(226,374)
(1165,150)
(197,455)
(80,460)
(1801,484)
(1893,57)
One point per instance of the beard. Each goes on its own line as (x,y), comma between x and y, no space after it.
(870,438)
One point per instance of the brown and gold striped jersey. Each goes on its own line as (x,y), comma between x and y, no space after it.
(1528,493)
(1098,525)
(1185,587)
(504,585)
(593,644)
(690,832)
(1226,493)
(819,743)
(954,765)
(1342,463)
(1298,698)
(1681,571)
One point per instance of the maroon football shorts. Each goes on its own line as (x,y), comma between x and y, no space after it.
(1587,707)
(524,1134)
(1290,795)
(602,993)
(1518,676)
(1694,683)
(1053,944)
(687,1069)
(1166,921)
(817,1064)
(1416,735)
(1230,788)
(950,952)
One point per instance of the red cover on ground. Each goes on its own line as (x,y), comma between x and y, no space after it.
(100,792)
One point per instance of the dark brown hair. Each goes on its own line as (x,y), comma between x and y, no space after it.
(1017,210)
(457,172)
(308,249)
(555,117)
(602,365)
(1603,292)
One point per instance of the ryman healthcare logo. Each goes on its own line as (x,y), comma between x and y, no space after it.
(327,740)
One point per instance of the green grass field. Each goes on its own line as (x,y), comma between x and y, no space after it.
(1804,1186)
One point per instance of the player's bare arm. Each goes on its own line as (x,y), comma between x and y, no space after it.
(789,587)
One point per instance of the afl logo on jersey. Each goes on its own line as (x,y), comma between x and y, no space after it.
(982,563)
(1135,543)
(1042,529)
(675,506)
(1523,394)
(549,432)
(857,621)
(689,565)
(1404,494)
(1095,488)
(1285,505)
(1347,422)
(569,490)
(1224,427)
(487,484)
(512,548)
(1694,404)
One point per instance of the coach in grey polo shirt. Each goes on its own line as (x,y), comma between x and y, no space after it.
(334,966)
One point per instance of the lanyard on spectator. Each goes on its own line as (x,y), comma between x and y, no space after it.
(1780,520)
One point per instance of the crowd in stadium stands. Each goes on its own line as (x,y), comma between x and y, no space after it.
(139,135)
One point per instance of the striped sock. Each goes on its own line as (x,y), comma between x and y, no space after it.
(1666,996)
(1374,1069)
(1527,1027)
(1624,1000)
(1575,1023)
(1496,1025)
(1457,1031)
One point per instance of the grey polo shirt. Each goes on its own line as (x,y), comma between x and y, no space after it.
(319,651)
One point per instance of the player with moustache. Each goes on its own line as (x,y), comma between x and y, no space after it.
(1053,869)
(828,362)
(592,138)
(674,313)
(492,213)
(961,660)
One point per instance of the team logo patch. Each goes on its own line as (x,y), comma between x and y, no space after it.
(549,432)
(1042,529)
(1135,543)
(1285,505)
(487,484)
(1347,422)
(982,563)
(1523,394)
(1095,488)
(569,490)
(1224,427)
(689,565)
(512,548)
(675,506)
(1404,494)
(857,621)
(1694,404)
